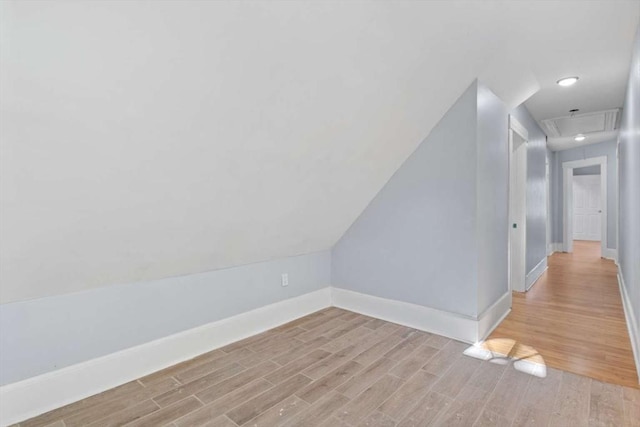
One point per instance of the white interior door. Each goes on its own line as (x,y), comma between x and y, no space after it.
(517,211)
(586,207)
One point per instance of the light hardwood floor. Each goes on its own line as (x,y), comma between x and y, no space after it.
(572,319)
(337,368)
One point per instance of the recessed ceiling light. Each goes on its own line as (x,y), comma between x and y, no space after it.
(567,81)
(580,137)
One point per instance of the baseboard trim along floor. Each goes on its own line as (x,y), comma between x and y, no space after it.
(535,273)
(451,325)
(43,393)
(634,334)
(336,367)
(37,395)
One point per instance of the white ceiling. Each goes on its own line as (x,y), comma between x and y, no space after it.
(601,63)
(142,140)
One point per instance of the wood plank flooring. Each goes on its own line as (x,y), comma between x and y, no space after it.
(337,368)
(572,319)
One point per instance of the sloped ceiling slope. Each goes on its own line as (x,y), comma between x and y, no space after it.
(148,139)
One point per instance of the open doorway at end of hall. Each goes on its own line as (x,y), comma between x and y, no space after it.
(585,203)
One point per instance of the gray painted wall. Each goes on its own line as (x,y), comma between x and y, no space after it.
(607,149)
(536,189)
(409,243)
(587,170)
(416,241)
(41,335)
(629,184)
(492,198)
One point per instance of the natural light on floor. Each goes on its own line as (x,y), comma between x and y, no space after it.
(502,350)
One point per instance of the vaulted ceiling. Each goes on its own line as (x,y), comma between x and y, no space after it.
(148,139)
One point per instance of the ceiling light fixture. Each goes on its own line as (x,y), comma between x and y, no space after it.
(580,137)
(567,81)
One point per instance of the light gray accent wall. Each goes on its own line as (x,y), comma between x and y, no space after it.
(416,241)
(607,149)
(536,189)
(41,335)
(421,241)
(492,197)
(587,170)
(629,184)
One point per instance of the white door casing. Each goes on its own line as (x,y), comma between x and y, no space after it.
(518,137)
(548,219)
(586,207)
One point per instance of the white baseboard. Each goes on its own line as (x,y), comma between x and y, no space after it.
(34,396)
(610,254)
(427,319)
(634,334)
(555,247)
(535,273)
(493,316)
(468,329)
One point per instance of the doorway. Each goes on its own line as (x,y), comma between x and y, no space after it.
(518,138)
(548,220)
(584,203)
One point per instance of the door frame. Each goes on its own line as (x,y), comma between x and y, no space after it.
(516,127)
(567,201)
(547,164)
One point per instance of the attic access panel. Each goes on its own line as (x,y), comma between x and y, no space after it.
(599,121)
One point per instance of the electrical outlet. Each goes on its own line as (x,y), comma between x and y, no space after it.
(285,279)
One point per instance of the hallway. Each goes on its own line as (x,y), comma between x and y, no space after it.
(572,319)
